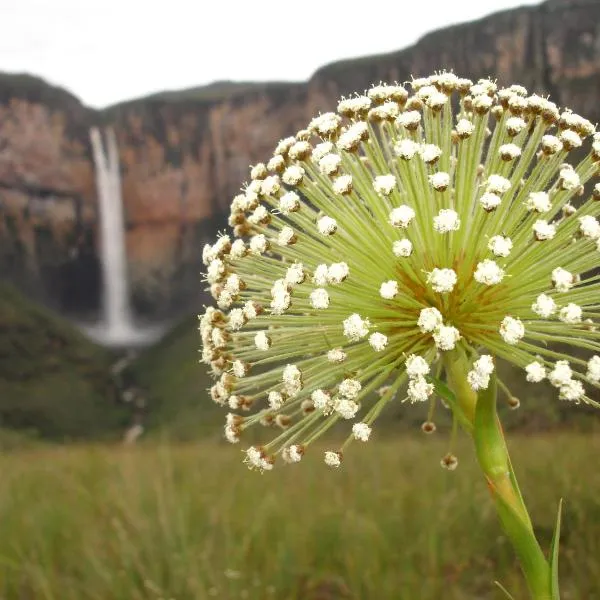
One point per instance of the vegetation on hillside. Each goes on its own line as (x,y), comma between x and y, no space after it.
(54,382)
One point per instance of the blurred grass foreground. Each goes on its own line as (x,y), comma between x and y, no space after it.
(176,521)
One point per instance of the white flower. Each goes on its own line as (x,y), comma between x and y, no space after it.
(262,341)
(512,330)
(270,185)
(419,390)
(293,175)
(515,125)
(347,409)
(490,201)
(256,460)
(237,319)
(337,272)
(551,144)
(464,128)
(388,289)
(571,314)
(275,400)
(336,355)
(406,149)
(320,276)
(215,271)
(402,248)
(593,369)
(326,225)
(321,150)
(361,432)
(238,249)
(289,202)
(416,366)
(429,319)
(321,400)
(478,380)
(500,245)
(429,153)
(402,216)
(384,184)
(563,280)
(561,374)
(570,139)
(319,298)
(509,151)
(538,201)
(342,184)
(378,341)
(544,306)
(568,178)
(409,119)
(447,220)
(293,454)
(542,230)
(536,372)
(295,274)
(572,391)
(589,227)
(496,184)
(258,244)
(484,364)
(281,300)
(330,164)
(350,139)
(355,327)
(442,280)
(488,272)
(333,459)
(439,181)
(482,102)
(286,236)
(349,388)
(445,337)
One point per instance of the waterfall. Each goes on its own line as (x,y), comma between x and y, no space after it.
(117,327)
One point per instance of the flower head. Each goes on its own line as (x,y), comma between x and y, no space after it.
(384,237)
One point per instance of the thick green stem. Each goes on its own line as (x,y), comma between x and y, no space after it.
(492,453)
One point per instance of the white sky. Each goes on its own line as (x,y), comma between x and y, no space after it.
(106,51)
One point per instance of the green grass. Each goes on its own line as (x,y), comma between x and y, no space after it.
(190,522)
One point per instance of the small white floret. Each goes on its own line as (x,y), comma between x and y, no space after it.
(402,216)
(406,149)
(327,225)
(336,355)
(378,341)
(496,184)
(562,279)
(561,374)
(350,388)
(536,372)
(500,245)
(589,227)
(289,202)
(402,248)
(439,181)
(593,369)
(419,389)
(571,314)
(262,341)
(384,184)
(512,330)
(389,289)
(544,306)
(488,272)
(429,319)
(539,202)
(355,327)
(416,366)
(542,230)
(332,459)
(445,337)
(442,280)
(337,273)
(490,201)
(447,220)
(319,299)
(361,432)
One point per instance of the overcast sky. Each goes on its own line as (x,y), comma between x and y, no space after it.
(105,51)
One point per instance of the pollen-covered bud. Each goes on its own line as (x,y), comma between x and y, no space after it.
(563,280)
(428,427)
(402,248)
(569,179)
(342,185)
(446,337)
(488,272)
(293,175)
(570,139)
(409,120)
(489,201)
(500,245)
(356,107)
(538,202)
(542,230)
(544,306)
(333,459)
(388,289)
(336,355)
(406,149)
(439,181)
(351,138)
(536,372)
(449,462)
(258,171)
(293,454)
(464,129)
(378,341)
(301,150)
(430,153)
(355,327)
(287,236)
(419,389)
(551,145)
(319,299)
(384,184)
(509,152)
(326,225)
(446,221)
(402,216)
(429,319)
(326,125)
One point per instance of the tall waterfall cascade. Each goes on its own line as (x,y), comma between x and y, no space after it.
(117,327)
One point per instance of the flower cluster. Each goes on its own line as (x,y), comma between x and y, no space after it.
(389,233)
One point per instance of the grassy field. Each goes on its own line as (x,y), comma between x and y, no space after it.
(190,522)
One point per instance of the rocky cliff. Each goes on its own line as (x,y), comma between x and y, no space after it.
(184,154)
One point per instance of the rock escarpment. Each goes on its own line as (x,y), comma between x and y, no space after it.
(184,154)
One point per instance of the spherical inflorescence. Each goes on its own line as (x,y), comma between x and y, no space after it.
(383,236)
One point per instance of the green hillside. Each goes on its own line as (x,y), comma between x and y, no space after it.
(54,382)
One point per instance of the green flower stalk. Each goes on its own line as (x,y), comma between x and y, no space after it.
(400,242)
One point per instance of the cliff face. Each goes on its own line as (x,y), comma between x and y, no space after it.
(184,154)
